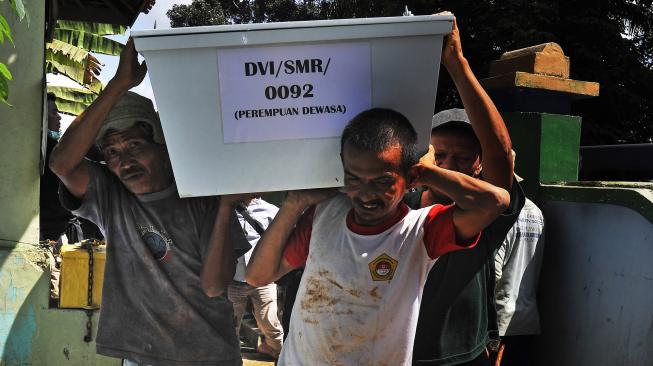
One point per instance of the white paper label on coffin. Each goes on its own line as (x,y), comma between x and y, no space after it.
(292,92)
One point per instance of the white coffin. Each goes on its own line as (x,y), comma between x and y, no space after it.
(243,106)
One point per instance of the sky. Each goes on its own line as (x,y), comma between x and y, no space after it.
(144,21)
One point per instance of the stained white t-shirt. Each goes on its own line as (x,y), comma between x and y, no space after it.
(359,296)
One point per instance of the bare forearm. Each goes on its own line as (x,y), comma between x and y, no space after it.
(219,264)
(265,264)
(469,193)
(487,123)
(81,134)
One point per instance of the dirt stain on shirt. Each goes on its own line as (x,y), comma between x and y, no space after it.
(374,293)
(317,293)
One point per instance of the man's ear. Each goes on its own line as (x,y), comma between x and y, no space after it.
(479,170)
(411,176)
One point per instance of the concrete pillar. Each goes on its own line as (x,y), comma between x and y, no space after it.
(532,89)
(20,150)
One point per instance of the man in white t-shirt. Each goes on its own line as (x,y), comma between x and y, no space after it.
(254,216)
(517,268)
(366,254)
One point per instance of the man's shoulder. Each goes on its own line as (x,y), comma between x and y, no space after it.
(337,202)
(193,205)
(331,209)
(530,208)
(101,183)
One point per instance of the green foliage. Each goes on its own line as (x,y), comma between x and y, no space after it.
(19,9)
(73,62)
(5,32)
(198,13)
(597,37)
(69,54)
(4,71)
(608,41)
(88,41)
(5,74)
(98,29)
(4,88)
(72,101)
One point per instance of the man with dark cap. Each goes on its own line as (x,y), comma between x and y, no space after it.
(166,270)
(457,320)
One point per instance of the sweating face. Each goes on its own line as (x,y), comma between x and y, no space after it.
(457,151)
(374,183)
(142,165)
(54,118)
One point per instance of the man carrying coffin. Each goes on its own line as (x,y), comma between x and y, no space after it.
(457,318)
(165,271)
(366,254)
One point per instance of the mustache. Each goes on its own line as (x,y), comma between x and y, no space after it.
(126,173)
(373,202)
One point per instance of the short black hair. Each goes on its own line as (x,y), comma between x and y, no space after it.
(51,96)
(379,129)
(461,128)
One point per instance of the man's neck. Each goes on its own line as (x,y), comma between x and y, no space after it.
(367,229)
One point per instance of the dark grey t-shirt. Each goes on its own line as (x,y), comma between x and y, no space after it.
(153,308)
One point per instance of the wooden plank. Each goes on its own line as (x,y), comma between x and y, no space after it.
(533,81)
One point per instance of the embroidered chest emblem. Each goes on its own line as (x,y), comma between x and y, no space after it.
(383,267)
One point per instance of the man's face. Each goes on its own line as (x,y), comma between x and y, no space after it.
(141,165)
(457,151)
(374,183)
(54,118)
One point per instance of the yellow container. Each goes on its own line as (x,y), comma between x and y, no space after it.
(74,276)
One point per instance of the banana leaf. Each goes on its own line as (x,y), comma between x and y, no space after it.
(88,41)
(83,96)
(71,52)
(79,64)
(70,107)
(99,29)
(76,73)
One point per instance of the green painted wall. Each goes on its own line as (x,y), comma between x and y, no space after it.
(21,125)
(547,147)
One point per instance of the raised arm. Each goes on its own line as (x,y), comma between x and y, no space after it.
(478,203)
(267,263)
(486,121)
(219,263)
(67,158)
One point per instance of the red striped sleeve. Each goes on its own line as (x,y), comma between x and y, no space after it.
(440,232)
(296,250)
